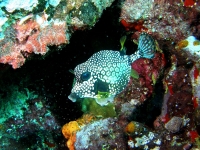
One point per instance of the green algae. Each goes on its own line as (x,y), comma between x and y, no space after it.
(89,105)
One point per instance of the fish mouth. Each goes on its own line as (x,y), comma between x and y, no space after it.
(73,97)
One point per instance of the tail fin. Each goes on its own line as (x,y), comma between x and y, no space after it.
(146,46)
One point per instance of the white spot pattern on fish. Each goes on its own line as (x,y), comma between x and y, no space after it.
(108,71)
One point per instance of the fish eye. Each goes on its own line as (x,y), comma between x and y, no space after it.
(85,76)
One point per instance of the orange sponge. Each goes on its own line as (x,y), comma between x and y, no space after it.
(130,128)
(69,131)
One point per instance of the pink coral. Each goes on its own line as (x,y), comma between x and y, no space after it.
(32,37)
(39,38)
(16,59)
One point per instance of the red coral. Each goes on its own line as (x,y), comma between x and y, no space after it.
(189,3)
(149,70)
(195,102)
(193,135)
(196,72)
(138,26)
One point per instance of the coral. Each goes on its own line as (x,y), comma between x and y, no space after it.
(71,141)
(70,129)
(26,121)
(39,24)
(20,4)
(93,130)
(85,13)
(169,20)
(142,137)
(74,4)
(195,79)
(190,51)
(174,124)
(138,90)
(138,26)
(178,91)
(15,99)
(23,120)
(189,3)
(190,46)
(177,126)
(182,44)
(101,134)
(31,37)
(134,10)
(179,114)
(193,135)
(3,20)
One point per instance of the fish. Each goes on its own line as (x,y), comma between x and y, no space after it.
(107,72)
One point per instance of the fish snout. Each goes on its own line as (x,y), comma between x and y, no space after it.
(73,97)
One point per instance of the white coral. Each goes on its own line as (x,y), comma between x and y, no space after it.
(134,10)
(12,5)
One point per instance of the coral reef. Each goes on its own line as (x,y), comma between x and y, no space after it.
(32,37)
(142,9)
(42,24)
(169,20)
(69,130)
(177,126)
(176,119)
(139,90)
(85,13)
(11,6)
(25,115)
(176,22)
(101,134)
(190,46)
(159,108)
(141,137)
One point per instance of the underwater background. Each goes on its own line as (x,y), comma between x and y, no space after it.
(43,41)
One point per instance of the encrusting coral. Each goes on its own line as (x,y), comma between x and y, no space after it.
(32,36)
(41,24)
